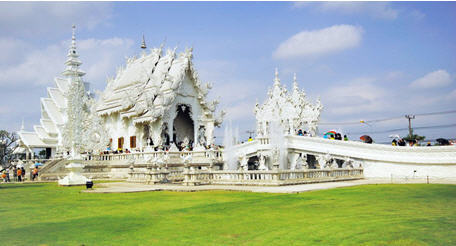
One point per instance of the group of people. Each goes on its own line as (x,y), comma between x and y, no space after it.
(402,142)
(18,174)
(303,133)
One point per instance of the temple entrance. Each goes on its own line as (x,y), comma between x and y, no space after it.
(183,124)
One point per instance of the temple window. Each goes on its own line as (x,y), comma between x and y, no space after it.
(120,143)
(132,142)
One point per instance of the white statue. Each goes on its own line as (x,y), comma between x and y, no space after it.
(243,163)
(262,162)
(202,136)
(323,160)
(348,162)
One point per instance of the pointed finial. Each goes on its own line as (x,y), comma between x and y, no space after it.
(295,82)
(143,44)
(23,125)
(73,37)
(276,77)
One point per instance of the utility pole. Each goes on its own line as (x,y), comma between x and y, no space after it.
(250,133)
(410,117)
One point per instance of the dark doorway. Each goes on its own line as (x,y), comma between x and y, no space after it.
(183,124)
(48,153)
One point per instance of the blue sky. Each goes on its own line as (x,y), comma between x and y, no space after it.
(365,60)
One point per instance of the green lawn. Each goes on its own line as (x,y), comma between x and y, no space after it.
(45,214)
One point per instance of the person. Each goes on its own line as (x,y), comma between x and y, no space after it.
(300,132)
(7,175)
(345,138)
(15,174)
(394,142)
(250,139)
(19,175)
(428,144)
(4,176)
(35,173)
(23,173)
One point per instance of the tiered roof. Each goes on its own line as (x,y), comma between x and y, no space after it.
(146,88)
(53,107)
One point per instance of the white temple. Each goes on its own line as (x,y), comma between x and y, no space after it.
(157,100)
(136,130)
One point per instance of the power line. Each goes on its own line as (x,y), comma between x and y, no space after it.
(404,129)
(385,119)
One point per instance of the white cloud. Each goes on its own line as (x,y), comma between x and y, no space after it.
(380,10)
(439,78)
(40,66)
(360,95)
(417,15)
(376,10)
(320,42)
(452,95)
(41,18)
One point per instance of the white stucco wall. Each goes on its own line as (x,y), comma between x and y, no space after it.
(374,169)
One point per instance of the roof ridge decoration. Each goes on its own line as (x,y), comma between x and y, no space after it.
(73,62)
(147,86)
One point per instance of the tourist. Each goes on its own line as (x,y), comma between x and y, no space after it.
(305,133)
(15,174)
(35,173)
(250,139)
(19,175)
(428,144)
(23,173)
(300,132)
(4,176)
(345,138)
(7,175)
(394,142)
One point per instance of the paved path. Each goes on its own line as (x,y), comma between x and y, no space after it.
(125,187)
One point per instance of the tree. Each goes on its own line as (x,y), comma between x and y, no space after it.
(7,146)
(414,137)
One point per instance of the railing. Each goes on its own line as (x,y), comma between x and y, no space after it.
(193,176)
(176,156)
(283,177)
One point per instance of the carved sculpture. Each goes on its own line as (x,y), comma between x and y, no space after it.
(262,162)
(324,160)
(293,110)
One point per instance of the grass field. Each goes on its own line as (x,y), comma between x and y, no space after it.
(45,214)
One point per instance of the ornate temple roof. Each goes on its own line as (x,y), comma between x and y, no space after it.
(147,86)
(287,108)
(53,107)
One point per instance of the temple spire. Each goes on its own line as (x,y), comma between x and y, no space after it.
(73,38)
(276,77)
(73,62)
(23,125)
(295,83)
(143,43)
